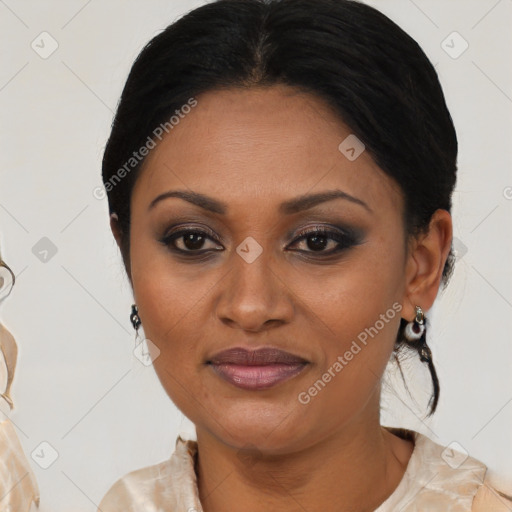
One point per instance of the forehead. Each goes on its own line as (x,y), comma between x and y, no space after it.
(245,146)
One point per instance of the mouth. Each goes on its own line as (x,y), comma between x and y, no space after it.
(256,369)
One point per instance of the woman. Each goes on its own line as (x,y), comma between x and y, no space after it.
(279,176)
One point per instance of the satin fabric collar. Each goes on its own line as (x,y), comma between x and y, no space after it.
(436,478)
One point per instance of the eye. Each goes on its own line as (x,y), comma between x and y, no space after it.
(318,238)
(190,241)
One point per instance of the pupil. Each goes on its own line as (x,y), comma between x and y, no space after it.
(318,242)
(193,241)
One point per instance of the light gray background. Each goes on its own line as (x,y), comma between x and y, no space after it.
(78,385)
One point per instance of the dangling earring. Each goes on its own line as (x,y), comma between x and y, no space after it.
(135,320)
(415,334)
(416,331)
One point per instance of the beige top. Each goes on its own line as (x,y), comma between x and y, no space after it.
(436,479)
(19,491)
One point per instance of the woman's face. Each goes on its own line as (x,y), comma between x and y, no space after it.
(252,282)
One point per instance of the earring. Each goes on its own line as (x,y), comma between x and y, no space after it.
(134,317)
(135,320)
(415,331)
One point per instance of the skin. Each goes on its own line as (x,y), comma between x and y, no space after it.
(252,149)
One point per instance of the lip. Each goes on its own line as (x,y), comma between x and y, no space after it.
(256,369)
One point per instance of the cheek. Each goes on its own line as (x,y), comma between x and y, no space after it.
(357,315)
(170,310)
(352,295)
(169,303)
(168,293)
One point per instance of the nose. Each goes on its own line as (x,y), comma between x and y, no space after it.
(253,295)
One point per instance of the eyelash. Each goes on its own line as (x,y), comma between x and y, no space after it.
(345,239)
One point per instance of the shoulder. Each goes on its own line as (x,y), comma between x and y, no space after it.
(169,483)
(130,492)
(470,482)
(442,477)
(494,495)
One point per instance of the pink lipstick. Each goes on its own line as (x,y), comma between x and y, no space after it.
(256,369)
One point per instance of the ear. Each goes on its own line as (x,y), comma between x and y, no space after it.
(425,263)
(116,229)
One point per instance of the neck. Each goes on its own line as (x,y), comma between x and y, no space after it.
(355,468)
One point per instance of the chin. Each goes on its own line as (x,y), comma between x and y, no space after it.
(267,430)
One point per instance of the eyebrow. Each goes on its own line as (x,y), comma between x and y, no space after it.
(296,205)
